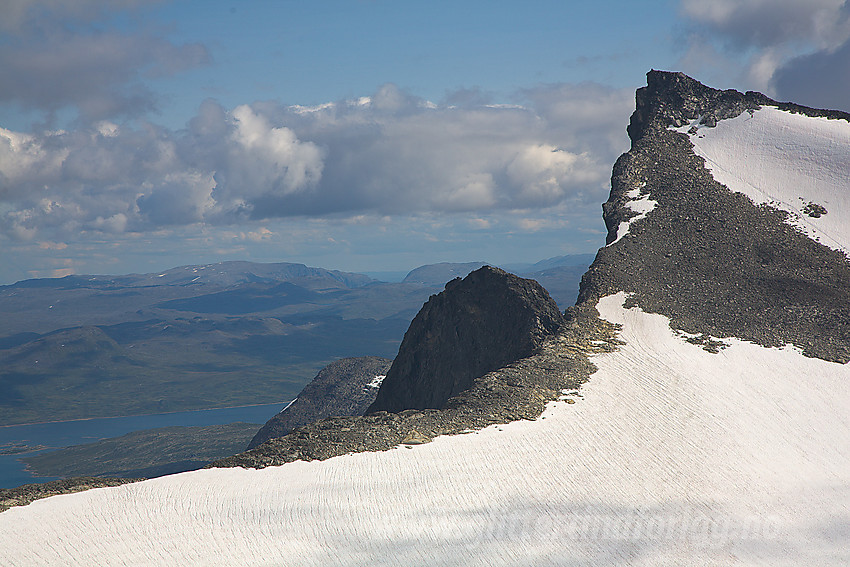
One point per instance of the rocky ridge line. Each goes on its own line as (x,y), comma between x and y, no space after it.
(28,493)
(518,391)
(710,259)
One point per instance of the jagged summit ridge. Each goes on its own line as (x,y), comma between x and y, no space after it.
(674,99)
(706,256)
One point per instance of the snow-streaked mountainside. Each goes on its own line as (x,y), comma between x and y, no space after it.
(785,159)
(688,446)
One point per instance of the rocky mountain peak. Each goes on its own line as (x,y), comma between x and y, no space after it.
(675,99)
(708,257)
(478,324)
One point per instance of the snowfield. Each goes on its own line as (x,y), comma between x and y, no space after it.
(670,455)
(786,160)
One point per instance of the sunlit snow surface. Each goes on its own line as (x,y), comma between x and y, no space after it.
(376,382)
(642,205)
(670,455)
(785,159)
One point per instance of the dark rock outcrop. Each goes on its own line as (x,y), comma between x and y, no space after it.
(706,257)
(479,324)
(498,348)
(517,391)
(346,387)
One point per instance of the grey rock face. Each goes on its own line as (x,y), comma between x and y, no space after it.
(477,325)
(517,391)
(709,258)
(499,315)
(345,387)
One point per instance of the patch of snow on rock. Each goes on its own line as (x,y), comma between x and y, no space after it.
(376,382)
(796,163)
(641,205)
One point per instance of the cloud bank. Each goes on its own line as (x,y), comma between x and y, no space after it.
(55,55)
(768,23)
(391,153)
(796,50)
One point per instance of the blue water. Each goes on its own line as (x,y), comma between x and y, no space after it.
(65,433)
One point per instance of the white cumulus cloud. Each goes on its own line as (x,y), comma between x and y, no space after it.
(544,174)
(387,154)
(264,165)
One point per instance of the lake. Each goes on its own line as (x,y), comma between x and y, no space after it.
(60,434)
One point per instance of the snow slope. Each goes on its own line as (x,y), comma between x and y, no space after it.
(787,160)
(670,455)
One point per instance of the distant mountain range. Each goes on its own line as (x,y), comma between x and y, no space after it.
(193,337)
(97,346)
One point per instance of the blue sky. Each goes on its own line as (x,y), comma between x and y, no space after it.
(137,135)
